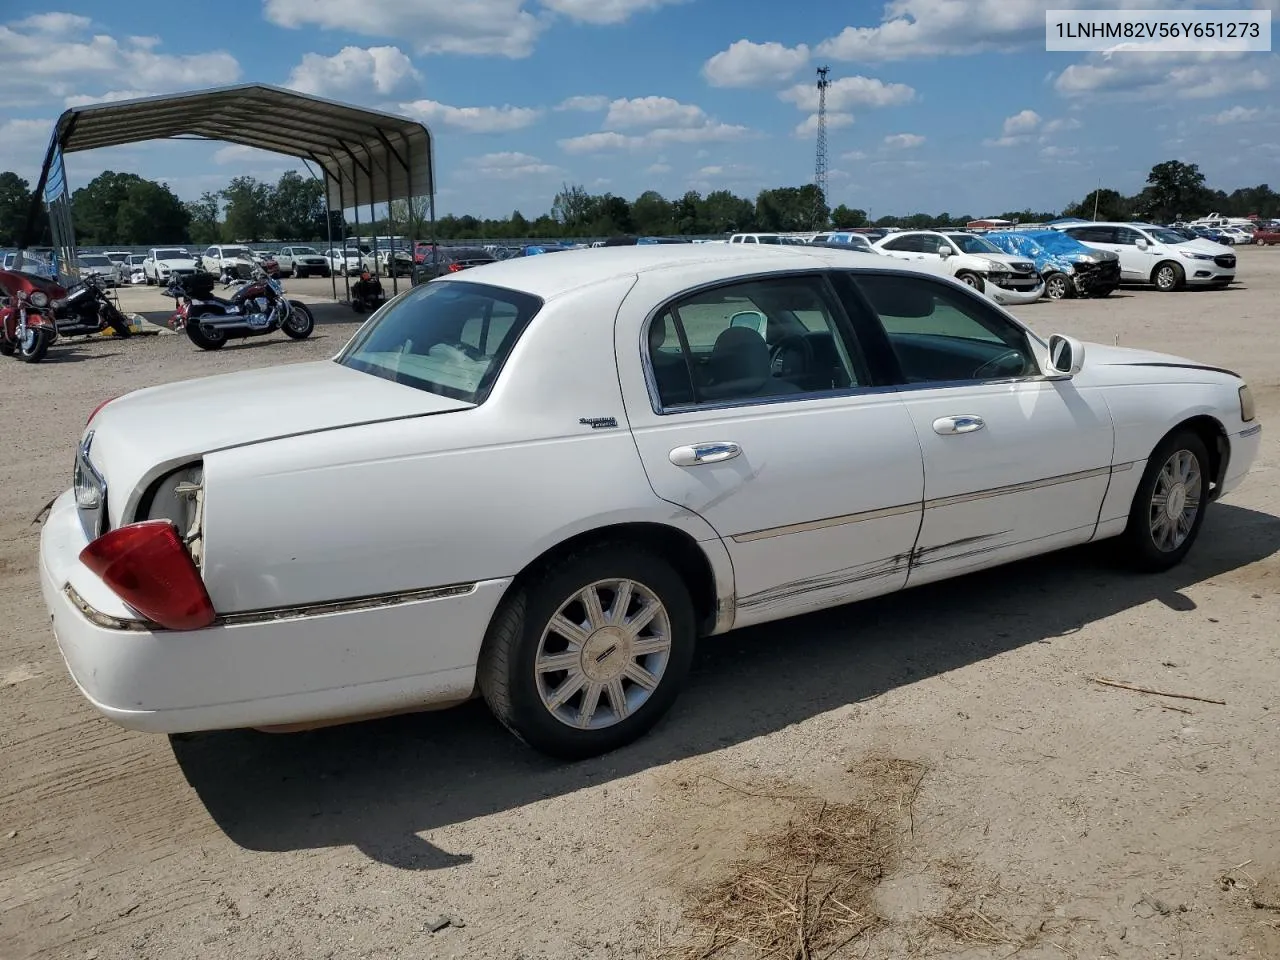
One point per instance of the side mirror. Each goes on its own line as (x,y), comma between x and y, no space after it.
(1066,356)
(1142,244)
(945,251)
(753,319)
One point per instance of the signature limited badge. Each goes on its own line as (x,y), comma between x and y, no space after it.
(598,423)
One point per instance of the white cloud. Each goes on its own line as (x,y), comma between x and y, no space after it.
(35,71)
(727,171)
(585,104)
(747,64)
(604,11)
(240,154)
(355,73)
(1053,152)
(1015,141)
(501,28)
(853,155)
(611,140)
(1238,115)
(658,168)
(510,166)
(1151,76)
(849,92)
(55,23)
(809,126)
(1023,122)
(22,146)
(1065,123)
(473,119)
(653,112)
(975,164)
(903,141)
(83,100)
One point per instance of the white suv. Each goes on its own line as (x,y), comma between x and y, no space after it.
(1005,278)
(1159,256)
(302,261)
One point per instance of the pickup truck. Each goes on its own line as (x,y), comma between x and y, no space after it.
(1266,237)
(163,263)
(302,261)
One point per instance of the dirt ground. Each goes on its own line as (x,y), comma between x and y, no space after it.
(945,745)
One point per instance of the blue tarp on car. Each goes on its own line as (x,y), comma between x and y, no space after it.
(1050,249)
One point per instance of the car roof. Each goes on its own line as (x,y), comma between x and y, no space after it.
(552,276)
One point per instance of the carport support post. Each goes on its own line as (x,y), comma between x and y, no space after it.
(391,229)
(355,201)
(328,225)
(342,202)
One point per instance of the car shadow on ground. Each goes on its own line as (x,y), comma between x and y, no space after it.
(378,784)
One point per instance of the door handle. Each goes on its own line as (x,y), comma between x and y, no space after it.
(699,453)
(962,424)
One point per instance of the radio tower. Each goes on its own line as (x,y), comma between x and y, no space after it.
(820,161)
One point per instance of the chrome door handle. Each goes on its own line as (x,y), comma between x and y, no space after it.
(963,424)
(698,453)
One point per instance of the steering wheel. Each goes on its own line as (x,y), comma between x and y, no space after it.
(789,344)
(995,363)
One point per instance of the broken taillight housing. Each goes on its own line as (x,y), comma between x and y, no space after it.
(147,565)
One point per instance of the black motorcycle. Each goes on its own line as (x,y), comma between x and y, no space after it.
(258,307)
(87,309)
(367,293)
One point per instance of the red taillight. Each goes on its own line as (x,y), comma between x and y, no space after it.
(148,567)
(455,267)
(96,409)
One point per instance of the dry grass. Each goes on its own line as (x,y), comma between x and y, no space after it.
(809,888)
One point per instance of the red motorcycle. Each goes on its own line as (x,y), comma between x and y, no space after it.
(27,324)
(258,307)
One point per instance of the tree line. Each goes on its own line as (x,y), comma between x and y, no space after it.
(125,209)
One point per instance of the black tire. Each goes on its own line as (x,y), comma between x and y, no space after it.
(1168,277)
(972,279)
(1140,545)
(34,350)
(506,671)
(117,322)
(357,305)
(1058,286)
(204,341)
(299,332)
(6,348)
(299,273)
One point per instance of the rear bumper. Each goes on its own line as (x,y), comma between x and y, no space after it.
(294,669)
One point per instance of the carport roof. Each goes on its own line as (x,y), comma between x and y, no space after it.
(376,157)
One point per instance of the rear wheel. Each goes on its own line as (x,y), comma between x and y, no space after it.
(1058,286)
(300,322)
(1168,508)
(210,340)
(590,654)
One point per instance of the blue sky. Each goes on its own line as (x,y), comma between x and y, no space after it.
(935,105)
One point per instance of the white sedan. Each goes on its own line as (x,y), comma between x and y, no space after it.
(544,480)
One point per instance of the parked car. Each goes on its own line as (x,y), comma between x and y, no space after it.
(162,264)
(343,261)
(454,260)
(1068,267)
(972,259)
(1159,256)
(233,260)
(98,265)
(32,263)
(642,520)
(301,261)
(771,238)
(135,267)
(857,241)
(1267,236)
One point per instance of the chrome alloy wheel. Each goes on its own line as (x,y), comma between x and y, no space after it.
(1175,501)
(603,654)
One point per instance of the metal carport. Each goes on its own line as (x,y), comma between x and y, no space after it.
(364,156)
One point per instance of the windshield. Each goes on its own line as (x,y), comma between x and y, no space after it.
(1161,235)
(446,338)
(765,238)
(311,251)
(968,243)
(95,260)
(235,251)
(172,255)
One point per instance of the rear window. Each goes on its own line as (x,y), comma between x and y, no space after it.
(446,338)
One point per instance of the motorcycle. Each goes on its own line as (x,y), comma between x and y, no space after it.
(86,309)
(367,293)
(257,308)
(27,325)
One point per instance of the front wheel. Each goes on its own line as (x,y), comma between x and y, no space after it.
(34,344)
(117,322)
(589,655)
(972,279)
(1168,277)
(213,340)
(1058,286)
(1168,508)
(300,322)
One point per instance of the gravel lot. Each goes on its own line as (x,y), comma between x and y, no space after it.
(1076,819)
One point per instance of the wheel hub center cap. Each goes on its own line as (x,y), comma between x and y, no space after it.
(605,654)
(1176,502)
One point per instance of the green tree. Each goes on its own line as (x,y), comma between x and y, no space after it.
(96,207)
(150,212)
(573,206)
(1109,204)
(249,208)
(411,216)
(205,227)
(651,213)
(15,203)
(791,208)
(297,207)
(844,218)
(723,212)
(1175,189)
